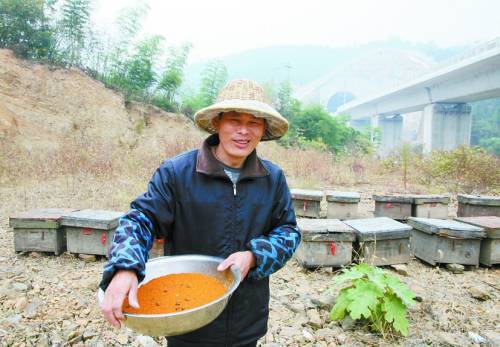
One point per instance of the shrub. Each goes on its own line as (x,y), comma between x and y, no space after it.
(375,296)
(465,169)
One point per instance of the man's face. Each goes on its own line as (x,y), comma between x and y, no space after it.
(239,134)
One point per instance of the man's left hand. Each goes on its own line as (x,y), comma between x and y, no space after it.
(243,260)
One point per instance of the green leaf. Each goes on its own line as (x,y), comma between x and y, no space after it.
(378,277)
(395,313)
(354,273)
(364,297)
(400,290)
(339,309)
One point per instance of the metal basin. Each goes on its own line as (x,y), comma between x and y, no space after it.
(177,323)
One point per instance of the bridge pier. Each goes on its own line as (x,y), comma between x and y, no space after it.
(446,126)
(391,128)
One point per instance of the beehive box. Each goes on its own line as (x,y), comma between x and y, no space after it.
(478,205)
(441,241)
(393,206)
(90,231)
(325,242)
(381,241)
(342,205)
(39,230)
(430,206)
(490,246)
(306,203)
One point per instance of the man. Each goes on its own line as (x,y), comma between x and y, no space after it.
(220,200)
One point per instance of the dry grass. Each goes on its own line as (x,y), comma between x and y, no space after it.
(103,174)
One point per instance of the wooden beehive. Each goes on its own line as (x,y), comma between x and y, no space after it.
(478,205)
(393,206)
(325,242)
(381,240)
(441,241)
(430,206)
(39,230)
(490,246)
(342,205)
(306,203)
(90,231)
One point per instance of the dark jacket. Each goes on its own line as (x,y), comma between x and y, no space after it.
(191,201)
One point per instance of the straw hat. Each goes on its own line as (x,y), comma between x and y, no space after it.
(248,97)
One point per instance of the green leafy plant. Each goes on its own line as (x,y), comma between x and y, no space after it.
(375,296)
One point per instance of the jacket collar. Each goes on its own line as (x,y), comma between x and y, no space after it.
(207,164)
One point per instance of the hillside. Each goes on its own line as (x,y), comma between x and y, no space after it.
(41,107)
(303,64)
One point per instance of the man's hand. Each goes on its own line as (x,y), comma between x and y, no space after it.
(243,260)
(123,283)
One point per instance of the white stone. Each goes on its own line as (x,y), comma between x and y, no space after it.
(146,341)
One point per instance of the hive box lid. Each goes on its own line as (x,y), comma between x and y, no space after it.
(336,196)
(491,224)
(331,229)
(408,199)
(423,199)
(96,219)
(307,194)
(445,227)
(479,199)
(380,228)
(43,218)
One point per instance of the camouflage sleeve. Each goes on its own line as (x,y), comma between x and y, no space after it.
(273,251)
(129,251)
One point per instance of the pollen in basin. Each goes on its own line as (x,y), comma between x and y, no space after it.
(175,293)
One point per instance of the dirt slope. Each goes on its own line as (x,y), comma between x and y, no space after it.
(41,105)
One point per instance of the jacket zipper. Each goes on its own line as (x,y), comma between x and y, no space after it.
(230,306)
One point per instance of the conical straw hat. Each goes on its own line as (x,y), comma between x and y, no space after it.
(248,97)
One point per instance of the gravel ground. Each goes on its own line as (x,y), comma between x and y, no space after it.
(48,300)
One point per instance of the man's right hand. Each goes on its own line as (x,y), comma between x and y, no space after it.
(123,284)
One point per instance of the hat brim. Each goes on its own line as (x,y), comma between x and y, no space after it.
(276,124)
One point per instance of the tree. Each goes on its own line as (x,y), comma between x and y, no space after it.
(213,78)
(139,74)
(486,125)
(172,77)
(73,29)
(191,102)
(114,62)
(492,145)
(314,123)
(25,28)
(285,100)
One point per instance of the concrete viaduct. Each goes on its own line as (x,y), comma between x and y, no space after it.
(442,96)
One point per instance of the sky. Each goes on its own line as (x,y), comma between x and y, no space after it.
(218,28)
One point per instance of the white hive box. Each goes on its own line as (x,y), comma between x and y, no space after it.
(478,205)
(490,246)
(441,241)
(39,230)
(393,206)
(90,231)
(306,203)
(325,242)
(430,206)
(381,241)
(342,205)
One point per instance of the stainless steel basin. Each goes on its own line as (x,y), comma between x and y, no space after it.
(177,323)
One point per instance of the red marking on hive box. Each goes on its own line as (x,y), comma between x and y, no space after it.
(333,248)
(86,231)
